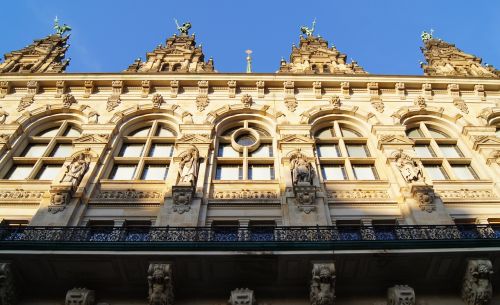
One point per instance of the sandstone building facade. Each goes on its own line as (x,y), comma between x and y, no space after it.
(172,183)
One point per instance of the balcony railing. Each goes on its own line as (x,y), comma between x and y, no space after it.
(319,237)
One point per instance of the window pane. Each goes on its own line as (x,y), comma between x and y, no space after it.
(424,151)
(131,150)
(261,172)
(19,172)
(49,133)
(414,133)
(225,150)
(349,133)
(497,132)
(142,132)
(72,132)
(328,151)
(325,133)
(437,134)
(364,172)
(229,172)
(34,150)
(123,172)
(246,140)
(464,172)
(262,151)
(161,150)
(450,151)
(436,172)
(62,150)
(334,172)
(355,150)
(48,172)
(154,172)
(164,132)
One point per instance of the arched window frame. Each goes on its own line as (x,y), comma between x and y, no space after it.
(349,157)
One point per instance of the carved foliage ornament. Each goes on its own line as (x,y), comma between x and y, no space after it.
(476,287)
(461,105)
(160,284)
(25,102)
(323,284)
(425,199)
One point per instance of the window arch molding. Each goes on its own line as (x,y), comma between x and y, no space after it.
(346,120)
(230,122)
(407,115)
(320,113)
(53,121)
(144,120)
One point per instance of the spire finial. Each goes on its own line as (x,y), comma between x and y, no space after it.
(61,29)
(249,61)
(184,29)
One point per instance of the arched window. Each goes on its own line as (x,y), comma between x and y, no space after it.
(44,152)
(245,152)
(440,154)
(145,153)
(343,154)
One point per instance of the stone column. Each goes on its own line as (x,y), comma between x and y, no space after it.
(160,284)
(323,284)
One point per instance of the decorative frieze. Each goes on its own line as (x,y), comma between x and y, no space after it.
(88,88)
(231,86)
(80,296)
(129,195)
(60,88)
(20,195)
(317,89)
(174,88)
(4,88)
(160,284)
(401,295)
(323,284)
(242,296)
(260,88)
(466,194)
(245,194)
(476,286)
(358,194)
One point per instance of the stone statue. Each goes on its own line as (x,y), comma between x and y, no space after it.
(160,284)
(184,28)
(427,35)
(302,170)
(188,165)
(410,169)
(323,284)
(476,288)
(308,31)
(61,29)
(76,169)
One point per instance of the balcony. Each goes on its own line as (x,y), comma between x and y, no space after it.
(248,238)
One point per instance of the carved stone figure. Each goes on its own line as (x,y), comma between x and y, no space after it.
(476,288)
(308,31)
(410,169)
(323,284)
(25,102)
(401,295)
(157,100)
(61,29)
(184,29)
(160,284)
(68,100)
(247,100)
(80,296)
(335,101)
(188,165)
(242,296)
(420,102)
(8,294)
(76,169)
(302,170)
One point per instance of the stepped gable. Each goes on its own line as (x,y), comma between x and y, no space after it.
(179,54)
(445,59)
(42,56)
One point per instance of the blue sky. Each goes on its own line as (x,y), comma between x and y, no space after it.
(383,36)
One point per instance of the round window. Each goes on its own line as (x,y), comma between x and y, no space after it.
(246,140)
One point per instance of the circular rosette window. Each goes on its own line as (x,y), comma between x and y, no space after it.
(245,138)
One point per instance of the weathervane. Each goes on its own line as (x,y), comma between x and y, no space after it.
(308,31)
(249,61)
(427,35)
(184,28)
(61,29)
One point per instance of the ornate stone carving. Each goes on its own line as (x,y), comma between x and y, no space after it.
(305,195)
(77,169)
(113,102)
(454,90)
(424,195)
(335,101)
(21,195)
(194,138)
(289,88)
(8,294)
(372,89)
(68,100)
(377,104)
(178,54)
(317,89)
(89,88)
(400,90)
(401,295)
(4,88)
(291,103)
(182,196)
(92,117)
(59,199)
(445,59)
(466,194)
(245,194)
(476,287)
(130,195)
(345,88)
(80,296)
(323,284)
(92,138)
(25,102)
(146,88)
(358,194)
(202,102)
(174,88)
(188,166)
(410,169)
(231,86)
(42,56)
(479,90)
(302,170)
(260,88)
(157,100)
(494,157)
(460,104)
(394,140)
(420,102)
(289,92)
(427,91)
(4,138)
(60,88)
(33,87)
(161,290)
(247,100)
(3,115)
(242,296)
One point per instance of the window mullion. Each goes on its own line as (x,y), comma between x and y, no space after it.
(448,170)
(139,169)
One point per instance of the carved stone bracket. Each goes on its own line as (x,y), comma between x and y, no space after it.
(160,284)
(479,90)
(182,196)
(317,89)
(8,295)
(242,296)
(89,88)
(60,88)
(114,100)
(400,295)
(476,287)
(400,90)
(305,195)
(231,88)
(174,88)
(260,88)
(4,88)
(427,91)
(146,88)
(425,196)
(345,88)
(323,284)
(372,89)
(80,296)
